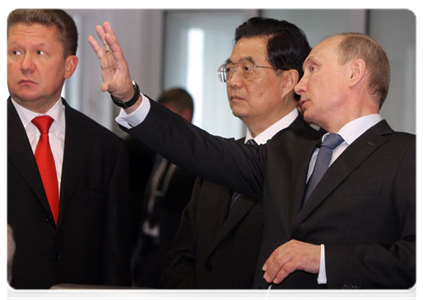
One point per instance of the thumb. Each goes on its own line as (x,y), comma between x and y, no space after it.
(105,87)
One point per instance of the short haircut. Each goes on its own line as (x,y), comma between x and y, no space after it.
(179,98)
(68,33)
(287,45)
(361,46)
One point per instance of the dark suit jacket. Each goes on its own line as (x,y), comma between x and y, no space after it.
(90,244)
(363,209)
(207,252)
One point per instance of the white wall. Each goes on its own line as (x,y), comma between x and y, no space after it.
(140,35)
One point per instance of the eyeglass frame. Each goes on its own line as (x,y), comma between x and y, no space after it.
(220,70)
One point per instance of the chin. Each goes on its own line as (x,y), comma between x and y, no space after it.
(307,116)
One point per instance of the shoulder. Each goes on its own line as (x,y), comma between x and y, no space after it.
(397,138)
(90,128)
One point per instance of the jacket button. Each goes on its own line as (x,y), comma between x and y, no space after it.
(56,256)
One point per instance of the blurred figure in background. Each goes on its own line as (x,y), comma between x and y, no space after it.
(166,194)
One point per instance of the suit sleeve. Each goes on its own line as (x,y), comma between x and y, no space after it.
(224,161)
(180,262)
(382,265)
(116,236)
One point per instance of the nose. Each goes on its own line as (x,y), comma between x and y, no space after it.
(27,63)
(301,86)
(235,79)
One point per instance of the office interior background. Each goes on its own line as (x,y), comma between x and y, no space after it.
(184,48)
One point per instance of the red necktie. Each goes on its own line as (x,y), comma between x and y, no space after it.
(46,166)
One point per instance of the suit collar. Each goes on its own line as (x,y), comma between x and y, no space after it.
(240,208)
(269,132)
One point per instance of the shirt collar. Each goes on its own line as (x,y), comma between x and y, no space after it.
(352,130)
(57,112)
(269,132)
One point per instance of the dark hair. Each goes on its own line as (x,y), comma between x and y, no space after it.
(287,46)
(50,18)
(179,98)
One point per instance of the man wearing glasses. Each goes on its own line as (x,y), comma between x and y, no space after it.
(260,75)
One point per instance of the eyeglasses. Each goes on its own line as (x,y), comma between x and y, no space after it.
(244,68)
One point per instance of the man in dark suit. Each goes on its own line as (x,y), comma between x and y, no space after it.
(218,222)
(356,228)
(71,227)
(167,193)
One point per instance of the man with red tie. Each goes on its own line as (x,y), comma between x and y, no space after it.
(67,175)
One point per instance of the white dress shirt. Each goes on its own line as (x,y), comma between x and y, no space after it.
(270,131)
(56,132)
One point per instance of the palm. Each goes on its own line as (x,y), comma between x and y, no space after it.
(114,69)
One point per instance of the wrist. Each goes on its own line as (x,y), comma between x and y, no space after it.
(130,102)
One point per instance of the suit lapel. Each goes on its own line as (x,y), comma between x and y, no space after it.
(299,178)
(78,141)
(349,160)
(240,208)
(220,212)
(292,155)
(21,156)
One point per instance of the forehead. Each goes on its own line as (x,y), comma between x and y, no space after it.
(252,48)
(324,50)
(35,33)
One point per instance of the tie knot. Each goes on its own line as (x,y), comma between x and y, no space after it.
(43,123)
(332,141)
(252,142)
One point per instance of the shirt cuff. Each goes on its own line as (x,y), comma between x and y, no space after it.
(321,277)
(136,117)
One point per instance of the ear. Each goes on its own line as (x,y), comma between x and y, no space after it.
(70,65)
(289,81)
(357,71)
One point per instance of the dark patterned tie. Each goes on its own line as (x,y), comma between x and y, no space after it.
(235,195)
(332,141)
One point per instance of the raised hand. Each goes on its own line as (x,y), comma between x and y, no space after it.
(114,68)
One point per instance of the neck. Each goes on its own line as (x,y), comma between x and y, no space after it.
(258,124)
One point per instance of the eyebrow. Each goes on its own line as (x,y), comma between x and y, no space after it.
(308,60)
(246,58)
(19,44)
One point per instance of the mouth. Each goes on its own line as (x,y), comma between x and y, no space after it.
(26,82)
(236,98)
(302,102)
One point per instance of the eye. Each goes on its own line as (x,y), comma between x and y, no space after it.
(40,52)
(247,67)
(16,52)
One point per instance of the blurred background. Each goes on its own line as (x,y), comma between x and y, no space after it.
(184,48)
